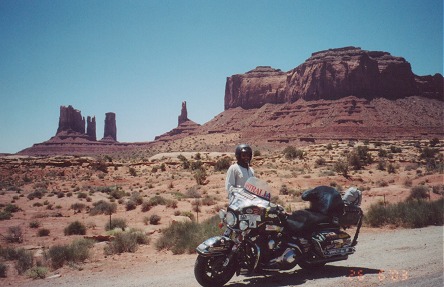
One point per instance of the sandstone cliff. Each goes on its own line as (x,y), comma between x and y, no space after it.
(331,75)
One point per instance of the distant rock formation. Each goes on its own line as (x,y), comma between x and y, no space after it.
(72,125)
(91,128)
(110,130)
(70,121)
(331,75)
(183,117)
(184,127)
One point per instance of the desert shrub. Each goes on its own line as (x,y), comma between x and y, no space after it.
(283,190)
(171,203)
(126,242)
(200,176)
(82,195)
(341,167)
(43,232)
(195,165)
(8,253)
(100,165)
(75,227)
(37,272)
(395,149)
(181,237)
(290,152)
(36,194)
(208,200)
(5,215)
(15,234)
(116,223)
(391,168)
(419,192)
(78,206)
(427,153)
(381,164)
(193,192)
(222,164)
(25,260)
(382,152)
(157,200)
(77,251)
(34,224)
(58,255)
(320,161)
(136,197)
(132,171)
(434,142)
(3,270)
(359,157)
(146,206)
(130,205)
(103,207)
(185,161)
(438,189)
(154,219)
(411,214)
(11,208)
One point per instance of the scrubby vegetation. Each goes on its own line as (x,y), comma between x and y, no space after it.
(181,237)
(126,242)
(75,227)
(77,251)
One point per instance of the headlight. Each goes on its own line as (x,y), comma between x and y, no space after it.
(243,225)
(230,219)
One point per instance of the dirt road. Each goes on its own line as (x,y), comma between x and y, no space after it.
(412,257)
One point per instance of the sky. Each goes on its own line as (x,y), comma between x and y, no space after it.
(142,59)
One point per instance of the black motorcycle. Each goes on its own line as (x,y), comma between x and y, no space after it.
(261,237)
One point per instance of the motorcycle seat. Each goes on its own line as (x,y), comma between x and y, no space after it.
(306,221)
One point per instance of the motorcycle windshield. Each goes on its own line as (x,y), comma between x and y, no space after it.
(255,193)
(258,187)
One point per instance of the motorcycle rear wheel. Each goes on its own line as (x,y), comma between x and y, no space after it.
(211,272)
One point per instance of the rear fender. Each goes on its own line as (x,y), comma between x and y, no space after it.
(216,245)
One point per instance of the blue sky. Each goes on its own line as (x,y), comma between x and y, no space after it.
(141,59)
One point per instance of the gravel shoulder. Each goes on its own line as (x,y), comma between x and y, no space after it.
(404,257)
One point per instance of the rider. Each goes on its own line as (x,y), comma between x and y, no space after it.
(239,172)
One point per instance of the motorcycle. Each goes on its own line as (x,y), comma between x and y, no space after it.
(261,237)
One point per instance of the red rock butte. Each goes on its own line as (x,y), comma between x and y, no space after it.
(336,94)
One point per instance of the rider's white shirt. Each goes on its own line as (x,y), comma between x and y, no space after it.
(237,176)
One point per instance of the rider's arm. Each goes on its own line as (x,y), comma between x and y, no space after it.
(230,180)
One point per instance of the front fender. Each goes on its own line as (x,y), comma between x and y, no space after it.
(215,245)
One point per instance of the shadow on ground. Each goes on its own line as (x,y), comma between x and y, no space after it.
(299,276)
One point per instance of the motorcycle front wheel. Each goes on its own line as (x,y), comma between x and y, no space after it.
(213,271)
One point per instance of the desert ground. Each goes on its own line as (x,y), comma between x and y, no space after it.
(68,181)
